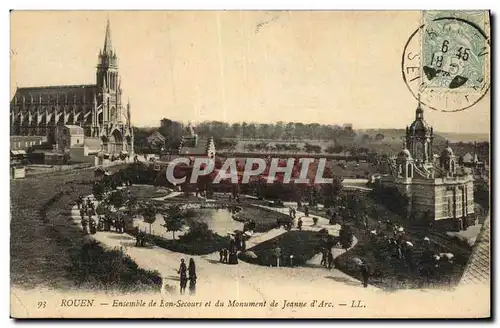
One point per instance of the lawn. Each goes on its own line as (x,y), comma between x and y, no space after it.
(148,191)
(392,273)
(190,247)
(264,219)
(303,245)
(44,242)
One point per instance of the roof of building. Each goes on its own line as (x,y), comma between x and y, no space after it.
(156,134)
(419,126)
(27,138)
(18,152)
(108,46)
(404,153)
(74,129)
(92,143)
(47,95)
(478,267)
(470,158)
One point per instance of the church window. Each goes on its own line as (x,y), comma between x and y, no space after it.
(77,141)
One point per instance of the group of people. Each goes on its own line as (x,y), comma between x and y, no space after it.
(288,223)
(223,255)
(87,207)
(89,226)
(105,222)
(327,258)
(187,273)
(229,255)
(140,238)
(393,243)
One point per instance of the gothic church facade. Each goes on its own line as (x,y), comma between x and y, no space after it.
(97,108)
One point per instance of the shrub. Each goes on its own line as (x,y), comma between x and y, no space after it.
(198,231)
(94,265)
(303,245)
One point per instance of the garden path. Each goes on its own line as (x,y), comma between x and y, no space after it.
(253,282)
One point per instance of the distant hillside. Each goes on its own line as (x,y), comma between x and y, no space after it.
(389,135)
(465,137)
(394,135)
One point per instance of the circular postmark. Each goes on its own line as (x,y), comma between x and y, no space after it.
(446,64)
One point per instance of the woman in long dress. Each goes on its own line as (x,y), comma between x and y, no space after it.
(192,276)
(183,276)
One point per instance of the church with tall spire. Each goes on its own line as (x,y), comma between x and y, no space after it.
(438,189)
(95,109)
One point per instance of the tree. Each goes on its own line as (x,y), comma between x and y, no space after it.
(131,203)
(356,205)
(117,199)
(101,209)
(346,237)
(331,192)
(172,131)
(98,190)
(149,215)
(174,219)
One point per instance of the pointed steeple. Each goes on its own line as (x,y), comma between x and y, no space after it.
(128,112)
(420,112)
(108,46)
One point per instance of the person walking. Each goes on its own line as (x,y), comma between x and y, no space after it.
(364,274)
(192,277)
(183,276)
(92,226)
(79,202)
(330,259)
(323,257)
(138,237)
(299,224)
(84,226)
(221,255)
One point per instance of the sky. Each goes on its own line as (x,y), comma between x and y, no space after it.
(254,66)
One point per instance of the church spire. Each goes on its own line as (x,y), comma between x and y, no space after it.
(108,46)
(129,118)
(420,112)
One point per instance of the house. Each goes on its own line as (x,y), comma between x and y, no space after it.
(156,140)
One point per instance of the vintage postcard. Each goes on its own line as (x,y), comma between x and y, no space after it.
(250,164)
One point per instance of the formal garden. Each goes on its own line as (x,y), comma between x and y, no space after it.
(206,222)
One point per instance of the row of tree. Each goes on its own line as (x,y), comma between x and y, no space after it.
(342,138)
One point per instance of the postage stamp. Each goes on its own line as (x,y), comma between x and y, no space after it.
(446,62)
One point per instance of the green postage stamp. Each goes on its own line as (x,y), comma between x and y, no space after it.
(454,48)
(446,61)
